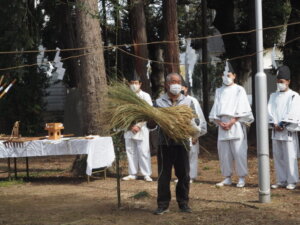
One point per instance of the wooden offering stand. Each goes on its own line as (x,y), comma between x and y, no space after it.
(54,130)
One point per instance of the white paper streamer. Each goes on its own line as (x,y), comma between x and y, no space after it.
(225,73)
(273,56)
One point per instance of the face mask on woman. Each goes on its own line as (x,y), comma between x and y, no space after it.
(281,86)
(175,89)
(227,80)
(135,87)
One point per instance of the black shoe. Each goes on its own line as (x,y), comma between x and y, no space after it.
(161,211)
(185,209)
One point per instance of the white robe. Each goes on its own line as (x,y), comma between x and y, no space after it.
(232,102)
(137,146)
(194,152)
(285,107)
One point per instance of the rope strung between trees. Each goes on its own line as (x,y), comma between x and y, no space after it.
(150,43)
(145,59)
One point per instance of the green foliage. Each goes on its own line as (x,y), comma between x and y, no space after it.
(11,183)
(20,26)
(275,12)
(141,195)
(206,168)
(214,81)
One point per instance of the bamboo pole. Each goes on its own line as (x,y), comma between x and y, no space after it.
(7,89)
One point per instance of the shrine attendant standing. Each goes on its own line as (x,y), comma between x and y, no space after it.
(194,143)
(284,110)
(231,112)
(137,141)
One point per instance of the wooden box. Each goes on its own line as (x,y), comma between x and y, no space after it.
(54,130)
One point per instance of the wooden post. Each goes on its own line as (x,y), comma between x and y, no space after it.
(27,167)
(118,176)
(15,165)
(8,167)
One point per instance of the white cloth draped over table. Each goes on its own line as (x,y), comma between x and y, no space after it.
(285,107)
(232,102)
(99,150)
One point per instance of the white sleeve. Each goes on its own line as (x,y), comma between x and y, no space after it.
(199,112)
(293,115)
(213,112)
(270,112)
(148,99)
(243,110)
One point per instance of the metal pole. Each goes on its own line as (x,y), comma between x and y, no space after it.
(261,113)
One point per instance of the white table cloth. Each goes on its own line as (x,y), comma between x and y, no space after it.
(99,150)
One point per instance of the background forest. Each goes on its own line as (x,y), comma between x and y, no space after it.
(108,39)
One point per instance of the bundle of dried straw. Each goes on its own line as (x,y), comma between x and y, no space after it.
(125,108)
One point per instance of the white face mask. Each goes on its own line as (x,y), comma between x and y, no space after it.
(281,86)
(135,87)
(175,89)
(227,80)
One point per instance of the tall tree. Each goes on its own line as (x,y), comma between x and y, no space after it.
(292,48)
(205,87)
(93,82)
(225,23)
(20,25)
(233,16)
(155,27)
(139,35)
(171,50)
(60,31)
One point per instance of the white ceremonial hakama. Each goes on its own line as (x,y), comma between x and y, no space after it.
(137,146)
(285,107)
(232,102)
(194,150)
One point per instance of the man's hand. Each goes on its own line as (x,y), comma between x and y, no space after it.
(194,141)
(223,125)
(151,124)
(135,129)
(228,125)
(278,128)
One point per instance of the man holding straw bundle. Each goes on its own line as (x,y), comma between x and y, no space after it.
(171,152)
(137,141)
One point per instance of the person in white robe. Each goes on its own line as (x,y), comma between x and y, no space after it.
(231,112)
(137,141)
(284,111)
(194,142)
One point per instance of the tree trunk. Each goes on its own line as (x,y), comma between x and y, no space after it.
(67,39)
(171,53)
(252,25)
(139,35)
(157,75)
(224,22)
(93,78)
(292,50)
(105,33)
(119,67)
(205,88)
